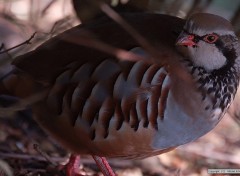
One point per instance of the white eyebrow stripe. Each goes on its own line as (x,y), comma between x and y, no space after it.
(219,32)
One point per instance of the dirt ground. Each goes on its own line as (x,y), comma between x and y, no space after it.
(26,150)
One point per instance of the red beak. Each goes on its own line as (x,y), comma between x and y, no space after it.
(186,40)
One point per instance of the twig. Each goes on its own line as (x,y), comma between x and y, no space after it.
(47,7)
(29,157)
(23,43)
(21,104)
(144,43)
(2,46)
(165,54)
(115,162)
(7,53)
(128,28)
(60,26)
(38,149)
(87,40)
(5,169)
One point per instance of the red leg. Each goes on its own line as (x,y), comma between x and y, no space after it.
(72,167)
(103,165)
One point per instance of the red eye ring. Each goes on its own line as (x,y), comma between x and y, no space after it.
(210,38)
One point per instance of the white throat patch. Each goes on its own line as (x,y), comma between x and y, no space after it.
(207,56)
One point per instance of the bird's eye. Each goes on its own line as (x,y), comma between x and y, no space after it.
(210,38)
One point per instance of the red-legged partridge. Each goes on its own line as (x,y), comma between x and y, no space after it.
(96,104)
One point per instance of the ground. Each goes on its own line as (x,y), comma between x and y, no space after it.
(25,149)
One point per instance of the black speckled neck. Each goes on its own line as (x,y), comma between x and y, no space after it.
(220,85)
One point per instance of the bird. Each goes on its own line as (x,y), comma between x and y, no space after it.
(94,103)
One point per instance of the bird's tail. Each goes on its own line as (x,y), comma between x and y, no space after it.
(3,87)
(17,93)
(7,99)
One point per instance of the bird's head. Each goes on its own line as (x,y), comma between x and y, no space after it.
(208,41)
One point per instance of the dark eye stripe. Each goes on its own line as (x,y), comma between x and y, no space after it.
(228,51)
(197,38)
